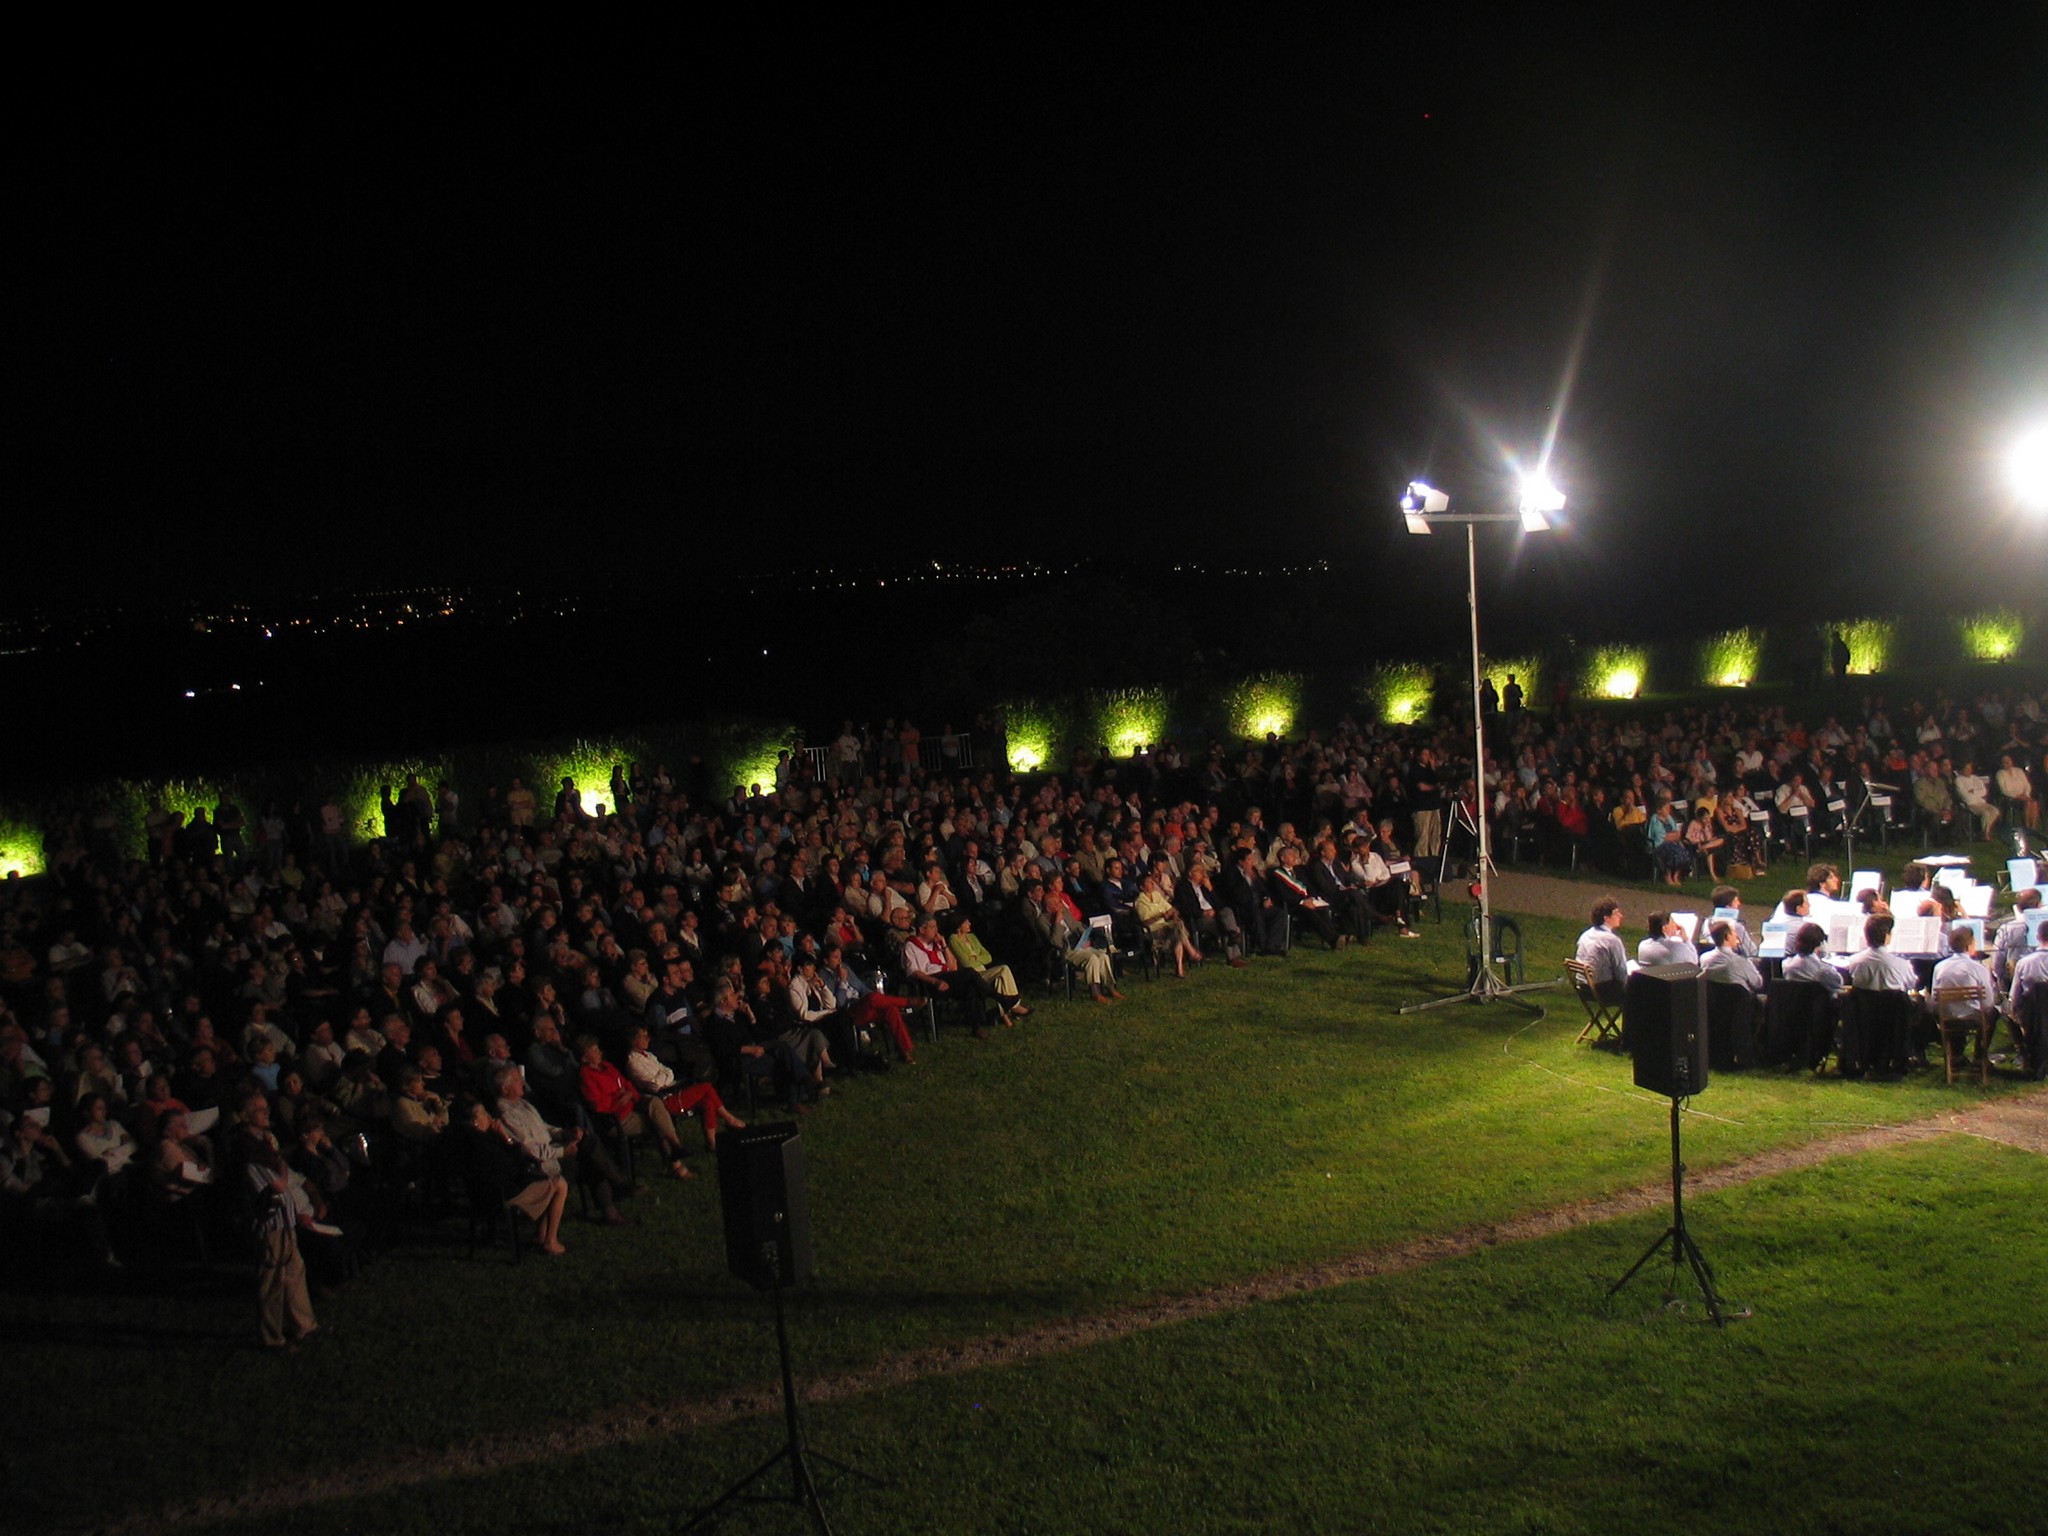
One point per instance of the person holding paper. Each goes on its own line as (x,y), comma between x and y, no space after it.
(1665,943)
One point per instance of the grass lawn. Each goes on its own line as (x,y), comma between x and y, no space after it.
(1889,1381)
(1206,1131)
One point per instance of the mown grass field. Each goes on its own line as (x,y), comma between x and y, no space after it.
(1205,1131)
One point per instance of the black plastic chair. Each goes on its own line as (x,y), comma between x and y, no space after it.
(1876,1033)
(1799,1024)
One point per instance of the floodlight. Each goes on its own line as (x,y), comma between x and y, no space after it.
(1539,498)
(2028,469)
(1419,503)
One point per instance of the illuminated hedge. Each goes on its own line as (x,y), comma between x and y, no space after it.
(1263,704)
(1526,670)
(1870,642)
(1731,658)
(1615,671)
(739,752)
(1402,692)
(1032,726)
(1993,635)
(1126,720)
(21,848)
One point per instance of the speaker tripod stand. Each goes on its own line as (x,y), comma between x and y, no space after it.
(803,1486)
(1683,1248)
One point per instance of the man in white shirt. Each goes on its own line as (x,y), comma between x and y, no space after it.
(1601,950)
(1877,969)
(1962,968)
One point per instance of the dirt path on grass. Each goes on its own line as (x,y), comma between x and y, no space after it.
(2021,1122)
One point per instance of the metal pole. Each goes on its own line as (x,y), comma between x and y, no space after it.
(1479,765)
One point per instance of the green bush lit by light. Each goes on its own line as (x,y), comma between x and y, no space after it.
(1033,730)
(739,752)
(1403,692)
(21,848)
(1129,718)
(361,786)
(1264,704)
(1524,669)
(1730,659)
(1616,671)
(590,762)
(1870,643)
(1993,635)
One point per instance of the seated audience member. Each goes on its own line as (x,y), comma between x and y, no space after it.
(973,956)
(1206,917)
(607,1092)
(490,1152)
(1054,924)
(418,1114)
(1301,905)
(653,1078)
(1600,949)
(864,1005)
(1162,924)
(929,963)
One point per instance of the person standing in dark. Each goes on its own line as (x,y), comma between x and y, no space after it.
(1511,699)
(1838,655)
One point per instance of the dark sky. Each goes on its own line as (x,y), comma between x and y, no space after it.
(619,310)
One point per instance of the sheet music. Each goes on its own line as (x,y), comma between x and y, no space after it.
(1845,934)
(1688,923)
(1865,880)
(1975,901)
(1915,935)
(1777,939)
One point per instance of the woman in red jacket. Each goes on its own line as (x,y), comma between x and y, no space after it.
(607,1092)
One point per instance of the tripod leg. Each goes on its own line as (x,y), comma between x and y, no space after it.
(737,1490)
(1649,1253)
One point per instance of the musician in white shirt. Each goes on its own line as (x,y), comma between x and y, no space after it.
(1877,969)
(1726,964)
(1600,948)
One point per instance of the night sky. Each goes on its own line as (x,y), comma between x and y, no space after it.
(772,295)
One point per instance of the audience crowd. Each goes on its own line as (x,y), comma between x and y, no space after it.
(255,1028)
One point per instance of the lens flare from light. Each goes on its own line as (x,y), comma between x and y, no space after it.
(2027,468)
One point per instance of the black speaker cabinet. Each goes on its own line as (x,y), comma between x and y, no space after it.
(767,1211)
(1664,1024)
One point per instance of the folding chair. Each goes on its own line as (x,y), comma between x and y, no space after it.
(1981,1022)
(1603,1019)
